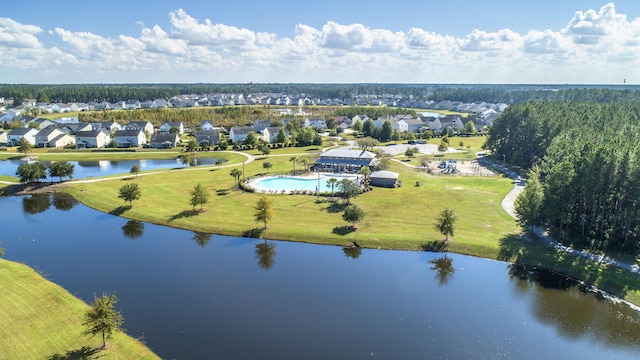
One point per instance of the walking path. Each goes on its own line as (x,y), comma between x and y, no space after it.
(508,204)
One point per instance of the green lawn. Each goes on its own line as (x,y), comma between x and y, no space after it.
(41,320)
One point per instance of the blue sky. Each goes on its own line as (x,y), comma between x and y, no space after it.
(454,41)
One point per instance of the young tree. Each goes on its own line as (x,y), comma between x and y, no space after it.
(386,131)
(357,126)
(264,149)
(332,182)
(24,146)
(102,317)
(281,138)
(61,169)
(367,142)
(263,210)
(348,189)
(365,171)
(192,145)
(294,160)
(199,196)
(470,127)
(135,169)
(251,139)
(445,223)
(267,165)
(305,163)
(31,172)
(129,192)
(236,173)
(528,205)
(353,214)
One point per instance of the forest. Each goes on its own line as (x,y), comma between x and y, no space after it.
(585,156)
(504,93)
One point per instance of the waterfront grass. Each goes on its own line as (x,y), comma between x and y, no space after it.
(41,320)
(399,218)
(89,155)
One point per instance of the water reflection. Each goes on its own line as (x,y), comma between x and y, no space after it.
(444,268)
(201,238)
(64,202)
(133,229)
(266,253)
(352,251)
(574,310)
(36,203)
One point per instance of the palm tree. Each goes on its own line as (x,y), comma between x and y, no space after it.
(305,163)
(294,159)
(332,182)
(236,173)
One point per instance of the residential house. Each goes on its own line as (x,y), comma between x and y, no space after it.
(237,134)
(164,141)
(454,122)
(159,103)
(41,123)
(414,125)
(60,107)
(130,138)
(206,125)
(207,137)
(14,136)
(146,126)
(316,123)
(46,137)
(259,125)
(92,138)
(269,134)
(166,127)
(434,124)
(112,126)
(132,105)
(3,137)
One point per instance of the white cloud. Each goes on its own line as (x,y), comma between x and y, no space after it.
(191,49)
(14,34)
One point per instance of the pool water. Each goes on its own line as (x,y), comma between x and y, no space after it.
(291,183)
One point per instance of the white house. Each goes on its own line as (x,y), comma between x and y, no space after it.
(316,123)
(130,138)
(166,127)
(14,136)
(146,126)
(269,134)
(237,134)
(206,125)
(93,138)
(46,136)
(164,141)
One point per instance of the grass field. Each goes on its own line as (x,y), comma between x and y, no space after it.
(41,320)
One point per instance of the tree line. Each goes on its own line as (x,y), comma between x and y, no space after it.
(509,94)
(585,173)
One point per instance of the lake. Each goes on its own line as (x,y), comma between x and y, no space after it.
(193,296)
(84,169)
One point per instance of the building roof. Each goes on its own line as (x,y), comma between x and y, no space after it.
(127,133)
(348,153)
(384,174)
(160,138)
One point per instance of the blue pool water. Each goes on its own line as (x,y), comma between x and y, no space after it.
(289,183)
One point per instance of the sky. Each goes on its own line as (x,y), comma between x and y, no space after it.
(330,41)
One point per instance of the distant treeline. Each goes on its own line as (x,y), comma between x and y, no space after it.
(509,94)
(589,167)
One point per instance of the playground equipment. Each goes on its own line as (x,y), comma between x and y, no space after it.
(448,167)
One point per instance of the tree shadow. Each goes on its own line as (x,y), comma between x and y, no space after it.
(184,214)
(512,248)
(435,246)
(222,192)
(336,207)
(343,230)
(83,353)
(253,233)
(119,210)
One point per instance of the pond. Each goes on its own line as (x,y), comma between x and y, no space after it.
(192,295)
(97,168)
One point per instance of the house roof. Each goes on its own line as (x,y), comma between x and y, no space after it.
(237,130)
(90,133)
(173,123)
(127,133)
(21,131)
(348,153)
(47,131)
(160,138)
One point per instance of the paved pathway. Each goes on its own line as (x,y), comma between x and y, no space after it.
(508,206)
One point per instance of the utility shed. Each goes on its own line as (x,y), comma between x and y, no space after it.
(384,178)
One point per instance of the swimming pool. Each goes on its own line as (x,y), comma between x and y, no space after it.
(292,183)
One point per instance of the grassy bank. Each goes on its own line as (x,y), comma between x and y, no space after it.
(41,320)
